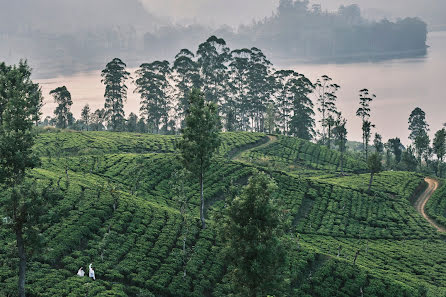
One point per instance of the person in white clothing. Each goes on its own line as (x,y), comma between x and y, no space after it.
(91,272)
(81,272)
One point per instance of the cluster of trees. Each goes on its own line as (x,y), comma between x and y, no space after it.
(422,155)
(251,95)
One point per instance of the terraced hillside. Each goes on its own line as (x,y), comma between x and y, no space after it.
(118,210)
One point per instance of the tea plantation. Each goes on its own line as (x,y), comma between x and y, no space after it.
(117,210)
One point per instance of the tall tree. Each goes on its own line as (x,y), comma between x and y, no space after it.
(340,137)
(237,105)
(212,61)
(153,84)
(132,123)
(364,113)
(439,146)
(418,128)
(97,119)
(85,115)
(378,143)
(62,112)
(409,160)
(251,233)
(270,120)
(200,139)
(375,166)
(20,103)
(395,146)
(284,98)
(302,120)
(186,76)
(114,77)
(260,89)
(326,97)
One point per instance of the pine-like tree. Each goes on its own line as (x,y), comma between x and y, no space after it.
(251,234)
(200,139)
(20,102)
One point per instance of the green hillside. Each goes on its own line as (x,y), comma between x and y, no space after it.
(117,210)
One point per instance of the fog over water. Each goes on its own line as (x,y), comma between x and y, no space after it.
(400,86)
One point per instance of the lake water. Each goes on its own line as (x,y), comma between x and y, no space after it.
(400,86)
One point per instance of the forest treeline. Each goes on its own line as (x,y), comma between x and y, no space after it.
(251,95)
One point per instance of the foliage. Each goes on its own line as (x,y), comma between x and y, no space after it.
(251,231)
(153,85)
(113,77)
(20,101)
(62,112)
(200,139)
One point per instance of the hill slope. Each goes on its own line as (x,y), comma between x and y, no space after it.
(119,211)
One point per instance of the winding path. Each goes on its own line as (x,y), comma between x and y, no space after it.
(271,139)
(422,200)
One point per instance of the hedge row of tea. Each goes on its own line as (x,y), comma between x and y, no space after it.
(135,246)
(293,153)
(55,143)
(313,207)
(416,263)
(120,213)
(395,183)
(436,206)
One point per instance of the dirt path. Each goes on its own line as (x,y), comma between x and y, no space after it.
(422,200)
(271,139)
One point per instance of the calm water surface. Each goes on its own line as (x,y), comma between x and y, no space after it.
(400,86)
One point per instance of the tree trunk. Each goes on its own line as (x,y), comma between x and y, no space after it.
(22,262)
(342,163)
(371,181)
(203,223)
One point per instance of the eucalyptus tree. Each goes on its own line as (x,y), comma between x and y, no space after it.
(302,120)
(200,139)
(62,112)
(418,128)
(260,91)
(284,98)
(97,119)
(378,143)
(114,77)
(326,97)
(212,58)
(340,138)
(374,165)
(364,113)
(85,115)
(439,146)
(395,146)
(153,85)
(237,104)
(20,203)
(186,75)
(271,117)
(132,123)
